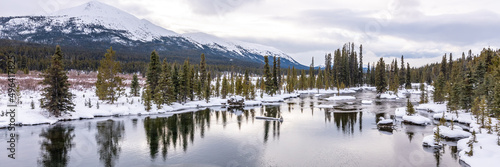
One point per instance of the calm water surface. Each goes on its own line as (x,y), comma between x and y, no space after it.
(308,136)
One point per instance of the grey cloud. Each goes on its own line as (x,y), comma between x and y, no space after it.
(455,29)
(217,7)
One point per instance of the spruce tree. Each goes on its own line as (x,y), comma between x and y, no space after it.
(217,86)
(185,81)
(279,82)
(203,71)
(439,86)
(275,76)
(56,97)
(408,76)
(164,93)
(134,86)
(380,79)
(422,94)
(268,77)
(153,73)
(311,75)
(109,85)
(409,108)
(467,91)
(224,89)
(147,98)
(207,87)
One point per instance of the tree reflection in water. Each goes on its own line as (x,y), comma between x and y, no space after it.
(345,121)
(56,144)
(108,137)
(274,112)
(176,130)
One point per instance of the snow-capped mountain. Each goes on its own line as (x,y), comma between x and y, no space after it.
(97,24)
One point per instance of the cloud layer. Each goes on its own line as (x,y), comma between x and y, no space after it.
(419,29)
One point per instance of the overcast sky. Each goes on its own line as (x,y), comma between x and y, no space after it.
(422,30)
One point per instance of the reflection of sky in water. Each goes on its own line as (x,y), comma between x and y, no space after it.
(308,136)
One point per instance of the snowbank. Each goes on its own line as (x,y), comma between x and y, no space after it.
(428,141)
(123,106)
(486,151)
(416,119)
(432,107)
(465,118)
(385,122)
(335,97)
(400,112)
(388,95)
(455,134)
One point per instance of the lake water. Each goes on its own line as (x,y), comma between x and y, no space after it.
(308,136)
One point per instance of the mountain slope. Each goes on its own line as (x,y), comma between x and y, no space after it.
(95,25)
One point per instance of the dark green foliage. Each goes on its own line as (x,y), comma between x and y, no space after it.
(208,88)
(56,97)
(134,86)
(467,91)
(147,98)
(153,73)
(408,76)
(224,89)
(109,85)
(56,145)
(409,108)
(268,77)
(439,86)
(164,93)
(380,79)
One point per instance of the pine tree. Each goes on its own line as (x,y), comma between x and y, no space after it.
(165,88)
(422,95)
(147,98)
(361,77)
(279,82)
(217,86)
(311,75)
(246,85)
(185,81)
(203,71)
(483,113)
(380,79)
(224,88)
(268,77)
(467,92)
(409,108)
(439,86)
(207,87)
(176,82)
(56,97)
(275,77)
(437,136)
(408,76)
(153,73)
(109,85)
(134,86)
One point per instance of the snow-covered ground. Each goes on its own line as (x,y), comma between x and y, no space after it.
(432,107)
(123,106)
(416,119)
(486,152)
(455,134)
(465,118)
(428,141)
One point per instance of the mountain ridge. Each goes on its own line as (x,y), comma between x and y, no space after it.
(94,24)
